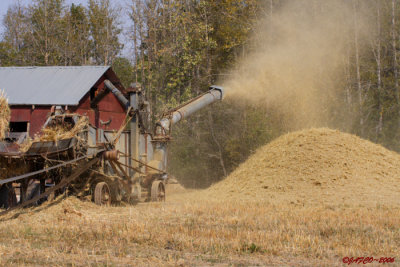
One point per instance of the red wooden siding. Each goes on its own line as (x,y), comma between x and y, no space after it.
(19,114)
(108,109)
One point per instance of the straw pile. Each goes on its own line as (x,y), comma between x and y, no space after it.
(5,114)
(56,133)
(60,132)
(316,165)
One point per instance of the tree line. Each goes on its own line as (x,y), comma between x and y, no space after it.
(180,47)
(47,33)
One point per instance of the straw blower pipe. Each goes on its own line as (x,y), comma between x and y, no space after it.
(177,114)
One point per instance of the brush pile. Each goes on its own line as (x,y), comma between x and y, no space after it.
(5,114)
(316,165)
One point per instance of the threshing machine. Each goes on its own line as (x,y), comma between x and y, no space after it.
(107,167)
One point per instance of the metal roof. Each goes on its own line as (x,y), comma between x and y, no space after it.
(48,85)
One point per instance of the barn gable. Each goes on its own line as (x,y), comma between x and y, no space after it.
(32,91)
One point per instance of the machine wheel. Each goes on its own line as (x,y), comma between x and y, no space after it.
(157,191)
(102,194)
(8,199)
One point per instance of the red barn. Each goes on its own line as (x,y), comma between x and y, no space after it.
(33,91)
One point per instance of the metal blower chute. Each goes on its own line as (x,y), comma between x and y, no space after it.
(128,165)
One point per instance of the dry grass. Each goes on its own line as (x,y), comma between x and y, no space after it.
(5,115)
(217,228)
(199,232)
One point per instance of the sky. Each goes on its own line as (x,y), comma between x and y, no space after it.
(4,4)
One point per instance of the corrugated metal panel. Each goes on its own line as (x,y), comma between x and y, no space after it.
(48,85)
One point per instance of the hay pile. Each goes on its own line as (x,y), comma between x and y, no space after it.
(5,114)
(60,132)
(56,133)
(316,165)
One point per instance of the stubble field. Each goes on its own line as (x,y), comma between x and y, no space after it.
(269,212)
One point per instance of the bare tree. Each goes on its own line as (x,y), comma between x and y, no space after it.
(395,70)
(357,59)
(379,69)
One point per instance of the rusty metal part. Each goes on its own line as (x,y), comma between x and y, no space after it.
(128,117)
(9,149)
(64,182)
(50,147)
(37,148)
(122,170)
(141,162)
(118,169)
(157,191)
(102,194)
(130,167)
(111,155)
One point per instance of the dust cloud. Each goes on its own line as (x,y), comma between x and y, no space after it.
(296,61)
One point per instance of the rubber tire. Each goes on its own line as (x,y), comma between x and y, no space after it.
(4,197)
(98,194)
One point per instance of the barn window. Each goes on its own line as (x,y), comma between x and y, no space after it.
(18,131)
(19,126)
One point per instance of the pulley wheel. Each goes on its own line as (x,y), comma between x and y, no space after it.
(157,191)
(102,194)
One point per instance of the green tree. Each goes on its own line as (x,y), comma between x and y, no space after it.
(15,33)
(104,31)
(46,35)
(77,36)
(124,69)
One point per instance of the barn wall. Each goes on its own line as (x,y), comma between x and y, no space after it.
(109,111)
(21,113)
(38,118)
(35,116)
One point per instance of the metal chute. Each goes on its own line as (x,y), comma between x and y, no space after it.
(214,94)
